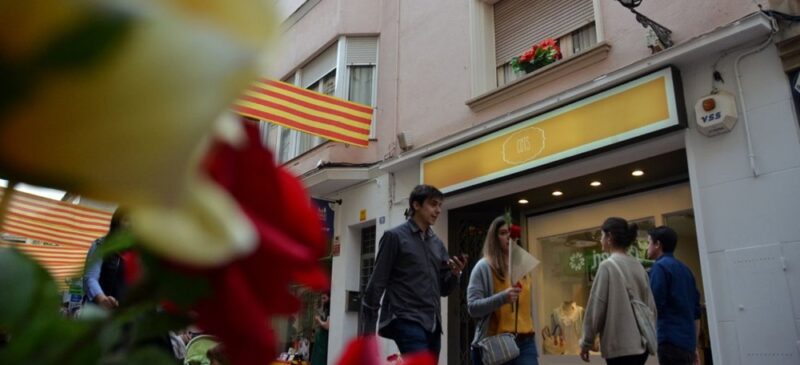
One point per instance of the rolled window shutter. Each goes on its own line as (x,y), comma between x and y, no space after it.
(362,50)
(319,67)
(519,24)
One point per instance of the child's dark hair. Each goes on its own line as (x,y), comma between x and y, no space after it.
(116,219)
(420,194)
(666,236)
(622,233)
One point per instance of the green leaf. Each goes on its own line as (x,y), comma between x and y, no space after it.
(158,324)
(181,288)
(149,356)
(116,242)
(17,84)
(28,291)
(51,339)
(86,43)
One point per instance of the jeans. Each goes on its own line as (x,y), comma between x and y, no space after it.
(628,360)
(411,337)
(674,355)
(528,355)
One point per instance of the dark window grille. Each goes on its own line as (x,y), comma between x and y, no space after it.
(367,263)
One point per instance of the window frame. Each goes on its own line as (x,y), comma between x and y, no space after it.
(484,81)
(565,41)
(341,90)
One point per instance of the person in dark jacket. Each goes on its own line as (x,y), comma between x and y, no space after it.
(414,271)
(677,300)
(103,281)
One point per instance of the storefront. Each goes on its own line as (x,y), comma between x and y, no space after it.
(635,149)
(735,215)
(562,218)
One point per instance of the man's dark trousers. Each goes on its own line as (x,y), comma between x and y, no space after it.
(669,354)
(411,337)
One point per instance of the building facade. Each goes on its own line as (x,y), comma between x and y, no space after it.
(450,111)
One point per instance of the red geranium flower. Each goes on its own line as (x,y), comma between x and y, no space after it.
(547,43)
(528,55)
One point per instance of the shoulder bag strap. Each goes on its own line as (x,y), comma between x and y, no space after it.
(624,280)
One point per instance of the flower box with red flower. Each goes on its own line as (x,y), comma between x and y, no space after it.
(538,56)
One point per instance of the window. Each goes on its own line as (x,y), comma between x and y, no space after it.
(284,145)
(356,83)
(362,59)
(519,24)
(361,84)
(569,265)
(794,78)
(367,262)
(304,141)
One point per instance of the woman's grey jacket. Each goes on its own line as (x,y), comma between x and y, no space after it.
(481,300)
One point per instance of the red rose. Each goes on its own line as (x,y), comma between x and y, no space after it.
(250,290)
(516,231)
(364,351)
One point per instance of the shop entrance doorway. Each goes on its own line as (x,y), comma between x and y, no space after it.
(568,244)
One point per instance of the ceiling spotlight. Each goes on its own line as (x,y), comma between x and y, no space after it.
(637,173)
(557,193)
(523,201)
(595,183)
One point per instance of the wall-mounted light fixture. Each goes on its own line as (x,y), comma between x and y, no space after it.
(663,33)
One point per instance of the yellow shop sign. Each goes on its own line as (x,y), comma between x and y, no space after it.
(634,109)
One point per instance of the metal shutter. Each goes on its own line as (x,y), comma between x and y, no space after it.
(319,67)
(518,24)
(362,50)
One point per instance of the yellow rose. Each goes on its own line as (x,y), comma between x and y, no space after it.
(128,122)
(124,128)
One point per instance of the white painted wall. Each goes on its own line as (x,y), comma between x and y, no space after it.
(371,195)
(740,216)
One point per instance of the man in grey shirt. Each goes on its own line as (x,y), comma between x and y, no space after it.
(414,271)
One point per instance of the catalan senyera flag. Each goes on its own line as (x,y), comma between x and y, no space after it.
(307,111)
(64,232)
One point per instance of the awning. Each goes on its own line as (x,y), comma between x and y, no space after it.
(307,111)
(56,234)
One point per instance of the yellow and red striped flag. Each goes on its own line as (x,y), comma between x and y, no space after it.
(65,231)
(307,111)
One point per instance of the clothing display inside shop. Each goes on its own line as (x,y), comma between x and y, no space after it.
(567,322)
(570,260)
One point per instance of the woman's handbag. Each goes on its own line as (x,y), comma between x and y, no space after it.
(645,318)
(500,349)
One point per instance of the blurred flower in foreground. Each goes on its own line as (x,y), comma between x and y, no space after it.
(253,288)
(364,351)
(115,99)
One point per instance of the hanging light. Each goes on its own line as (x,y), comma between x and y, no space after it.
(663,33)
(630,4)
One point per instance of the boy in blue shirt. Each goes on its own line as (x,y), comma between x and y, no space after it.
(677,300)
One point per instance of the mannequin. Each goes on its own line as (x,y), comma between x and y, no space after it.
(568,317)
